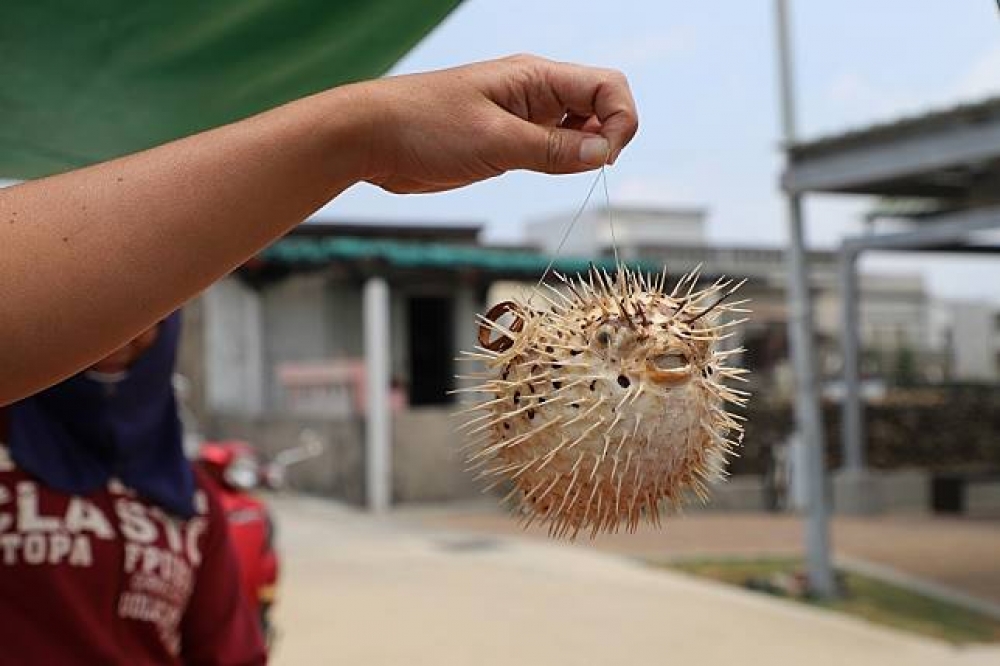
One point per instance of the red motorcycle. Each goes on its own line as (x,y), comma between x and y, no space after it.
(237,471)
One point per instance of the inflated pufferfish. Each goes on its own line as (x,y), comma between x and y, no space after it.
(607,403)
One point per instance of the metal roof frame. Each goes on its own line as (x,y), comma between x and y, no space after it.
(944,154)
(951,160)
(949,232)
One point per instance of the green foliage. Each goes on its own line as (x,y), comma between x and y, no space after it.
(905,373)
(862,596)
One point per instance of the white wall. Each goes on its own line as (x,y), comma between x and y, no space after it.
(894,312)
(546,234)
(296,325)
(634,228)
(234,372)
(637,227)
(974,344)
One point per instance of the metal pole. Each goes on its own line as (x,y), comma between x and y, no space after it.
(853,415)
(807,411)
(378,433)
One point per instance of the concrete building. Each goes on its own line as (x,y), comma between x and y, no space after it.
(283,343)
(285,334)
(293,339)
(894,307)
(968,335)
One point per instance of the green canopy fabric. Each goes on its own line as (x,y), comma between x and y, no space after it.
(305,252)
(87,81)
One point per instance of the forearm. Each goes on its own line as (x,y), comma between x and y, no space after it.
(96,255)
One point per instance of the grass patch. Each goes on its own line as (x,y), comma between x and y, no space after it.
(862,596)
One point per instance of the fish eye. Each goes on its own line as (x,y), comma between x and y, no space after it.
(603,337)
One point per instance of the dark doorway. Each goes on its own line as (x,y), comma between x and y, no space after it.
(431,350)
(766,346)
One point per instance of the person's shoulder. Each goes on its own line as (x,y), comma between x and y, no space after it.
(208,501)
(7,464)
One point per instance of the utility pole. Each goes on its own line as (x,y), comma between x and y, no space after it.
(808,418)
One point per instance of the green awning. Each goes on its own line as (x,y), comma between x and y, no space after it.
(86,81)
(318,252)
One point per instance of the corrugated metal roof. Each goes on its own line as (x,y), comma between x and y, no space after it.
(962,113)
(413,255)
(907,207)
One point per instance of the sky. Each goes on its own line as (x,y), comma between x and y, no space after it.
(704,78)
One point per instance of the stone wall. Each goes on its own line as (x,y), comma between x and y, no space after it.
(908,443)
(940,431)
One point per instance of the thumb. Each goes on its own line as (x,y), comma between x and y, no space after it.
(561,150)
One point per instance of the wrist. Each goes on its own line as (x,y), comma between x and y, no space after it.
(354,131)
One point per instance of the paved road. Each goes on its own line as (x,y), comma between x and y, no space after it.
(957,553)
(373,592)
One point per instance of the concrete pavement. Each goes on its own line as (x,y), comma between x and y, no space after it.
(358,590)
(960,554)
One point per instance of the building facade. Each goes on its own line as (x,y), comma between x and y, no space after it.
(894,308)
(968,333)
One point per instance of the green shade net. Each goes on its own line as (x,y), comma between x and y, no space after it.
(86,81)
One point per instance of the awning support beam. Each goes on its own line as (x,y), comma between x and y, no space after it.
(952,229)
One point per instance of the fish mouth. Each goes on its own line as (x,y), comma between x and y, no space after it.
(669,370)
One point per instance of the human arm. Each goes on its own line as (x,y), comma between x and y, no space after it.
(94,256)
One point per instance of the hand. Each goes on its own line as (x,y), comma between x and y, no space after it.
(445,129)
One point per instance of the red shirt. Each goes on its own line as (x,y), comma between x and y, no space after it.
(108,578)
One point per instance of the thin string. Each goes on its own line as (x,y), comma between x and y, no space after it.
(611,218)
(566,232)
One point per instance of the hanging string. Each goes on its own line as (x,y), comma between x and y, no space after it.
(611,219)
(566,233)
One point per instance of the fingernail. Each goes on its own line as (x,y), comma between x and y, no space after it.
(594,150)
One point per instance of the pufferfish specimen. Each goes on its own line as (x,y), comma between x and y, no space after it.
(607,403)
